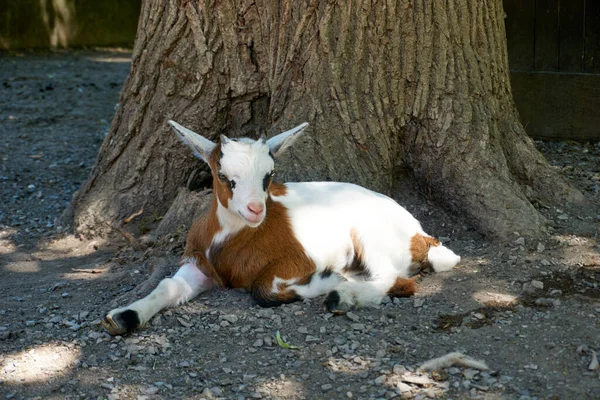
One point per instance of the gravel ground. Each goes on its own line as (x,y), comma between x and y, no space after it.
(530,310)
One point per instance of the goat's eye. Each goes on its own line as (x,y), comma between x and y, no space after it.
(227,181)
(267,180)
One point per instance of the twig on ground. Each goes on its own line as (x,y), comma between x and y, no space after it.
(90,271)
(453,359)
(132,216)
(135,244)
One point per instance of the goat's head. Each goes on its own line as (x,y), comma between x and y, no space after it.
(242,168)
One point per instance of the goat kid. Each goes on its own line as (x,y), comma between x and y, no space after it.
(287,242)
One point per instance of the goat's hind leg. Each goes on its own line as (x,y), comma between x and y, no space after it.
(275,287)
(186,284)
(365,293)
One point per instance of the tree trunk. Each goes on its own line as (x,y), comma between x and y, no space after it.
(422,85)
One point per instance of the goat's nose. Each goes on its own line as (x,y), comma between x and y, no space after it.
(256,208)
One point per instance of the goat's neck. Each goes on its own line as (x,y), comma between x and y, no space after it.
(229,222)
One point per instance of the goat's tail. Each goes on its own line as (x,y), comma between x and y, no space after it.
(442,258)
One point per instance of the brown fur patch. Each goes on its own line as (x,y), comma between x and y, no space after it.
(221,189)
(253,257)
(305,280)
(199,239)
(277,189)
(289,296)
(419,247)
(403,287)
(357,266)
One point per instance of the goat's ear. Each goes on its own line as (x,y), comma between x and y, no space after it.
(200,146)
(224,139)
(278,144)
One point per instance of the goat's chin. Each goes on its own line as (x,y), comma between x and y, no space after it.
(252,221)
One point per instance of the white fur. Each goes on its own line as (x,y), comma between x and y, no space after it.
(323,215)
(230,223)
(246,164)
(442,258)
(186,284)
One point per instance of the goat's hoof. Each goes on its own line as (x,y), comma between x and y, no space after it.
(122,322)
(334,305)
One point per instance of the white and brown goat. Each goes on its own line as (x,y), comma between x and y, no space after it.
(286,242)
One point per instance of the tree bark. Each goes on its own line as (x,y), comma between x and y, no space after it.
(386,85)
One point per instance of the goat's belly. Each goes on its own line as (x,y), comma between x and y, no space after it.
(329,217)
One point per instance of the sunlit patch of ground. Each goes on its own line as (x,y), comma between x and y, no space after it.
(38,364)
(6,244)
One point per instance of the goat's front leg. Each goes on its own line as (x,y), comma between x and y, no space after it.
(186,284)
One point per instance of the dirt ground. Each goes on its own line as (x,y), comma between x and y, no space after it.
(529,309)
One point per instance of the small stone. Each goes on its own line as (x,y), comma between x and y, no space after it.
(352,317)
(64,295)
(30,323)
(520,241)
(184,323)
(399,369)
(248,378)
(418,303)
(358,327)
(479,316)
(470,373)
(310,338)
(303,330)
(216,391)
(380,379)
(326,387)
(150,390)
(537,284)
(563,217)
(43,310)
(528,288)
(95,335)
(258,343)
(403,387)
(544,302)
(541,247)
(231,318)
